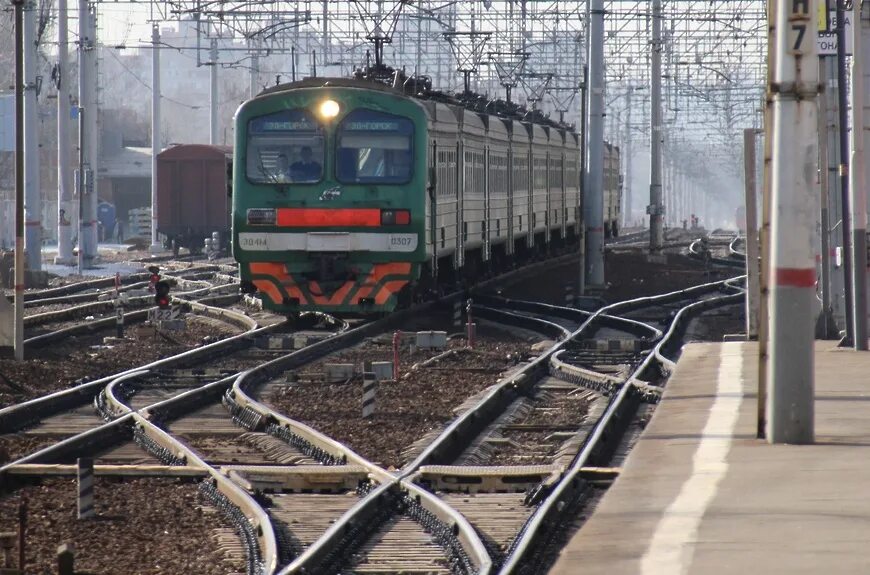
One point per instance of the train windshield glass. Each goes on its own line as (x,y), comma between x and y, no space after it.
(285,147)
(374,148)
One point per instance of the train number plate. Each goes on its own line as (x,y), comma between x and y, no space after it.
(328,242)
(254,241)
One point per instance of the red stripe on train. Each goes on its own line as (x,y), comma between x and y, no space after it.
(320,217)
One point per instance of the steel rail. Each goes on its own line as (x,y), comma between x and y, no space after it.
(101,295)
(469,424)
(446,513)
(123,425)
(111,405)
(234,318)
(629,325)
(81,286)
(240,402)
(16,416)
(732,249)
(255,528)
(572,485)
(368,508)
(722,262)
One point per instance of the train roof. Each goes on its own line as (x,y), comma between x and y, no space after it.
(195,151)
(407,88)
(325,82)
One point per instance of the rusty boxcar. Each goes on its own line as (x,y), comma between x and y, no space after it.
(193,194)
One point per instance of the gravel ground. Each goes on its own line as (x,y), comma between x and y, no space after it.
(144,527)
(15,446)
(29,311)
(58,367)
(420,402)
(532,437)
(50,326)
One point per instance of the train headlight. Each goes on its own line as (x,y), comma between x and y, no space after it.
(261,216)
(328,109)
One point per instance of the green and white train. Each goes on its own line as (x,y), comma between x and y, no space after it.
(351,197)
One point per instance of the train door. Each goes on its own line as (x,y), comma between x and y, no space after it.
(486,206)
(432,190)
(510,202)
(530,162)
(564,194)
(459,178)
(548,179)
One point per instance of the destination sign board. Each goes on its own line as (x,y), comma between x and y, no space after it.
(827,41)
(372,126)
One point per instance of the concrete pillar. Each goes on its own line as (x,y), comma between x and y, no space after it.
(155,132)
(753,290)
(835,207)
(93,136)
(213,95)
(859,177)
(790,407)
(32,192)
(593,200)
(656,206)
(627,219)
(65,210)
(18,344)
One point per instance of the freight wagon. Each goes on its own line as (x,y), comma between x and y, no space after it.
(193,194)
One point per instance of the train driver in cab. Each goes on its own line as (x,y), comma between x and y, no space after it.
(306,169)
(282,168)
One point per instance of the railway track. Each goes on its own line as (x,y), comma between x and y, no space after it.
(737,248)
(476,497)
(62,321)
(719,251)
(172,431)
(495,498)
(674,238)
(63,413)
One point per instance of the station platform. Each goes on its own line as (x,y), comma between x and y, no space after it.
(699,494)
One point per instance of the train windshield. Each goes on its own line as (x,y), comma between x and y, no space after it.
(285,147)
(374,148)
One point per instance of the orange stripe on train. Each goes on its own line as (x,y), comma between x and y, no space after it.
(279,272)
(337,297)
(270,269)
(270,289)
(366,288)
(380,271)
(389,289)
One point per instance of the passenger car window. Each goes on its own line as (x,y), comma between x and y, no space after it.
(374,147)
(285,147)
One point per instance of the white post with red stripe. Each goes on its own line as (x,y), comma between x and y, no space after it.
(790,409)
